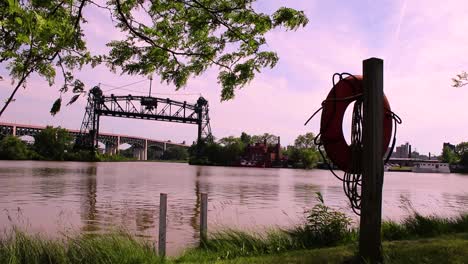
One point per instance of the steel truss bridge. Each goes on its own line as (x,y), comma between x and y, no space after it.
(111,141)
(141,107)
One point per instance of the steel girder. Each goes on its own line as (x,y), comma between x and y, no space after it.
(141,107)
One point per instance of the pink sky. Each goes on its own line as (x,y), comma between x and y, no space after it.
(423,44)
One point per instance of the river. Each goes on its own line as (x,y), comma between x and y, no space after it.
(56,197)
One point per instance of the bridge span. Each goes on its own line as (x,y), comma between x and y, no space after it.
(111,142)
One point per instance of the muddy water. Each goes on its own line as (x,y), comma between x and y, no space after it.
(56,197)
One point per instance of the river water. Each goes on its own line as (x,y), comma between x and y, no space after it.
(56,197)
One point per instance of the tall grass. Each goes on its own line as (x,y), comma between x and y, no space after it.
(324,227)
(19,248)
(229,244)
(419,226)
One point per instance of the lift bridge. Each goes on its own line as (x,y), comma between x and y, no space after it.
(141,107)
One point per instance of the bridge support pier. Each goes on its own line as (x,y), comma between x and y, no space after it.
(111,149)
(136,153)
(145,150)
(13,132)
(118,145)
(139,153)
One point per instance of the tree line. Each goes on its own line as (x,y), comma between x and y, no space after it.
(457,156)
(228,151)
(56,143)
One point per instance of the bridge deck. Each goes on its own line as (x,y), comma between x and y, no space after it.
(76,132)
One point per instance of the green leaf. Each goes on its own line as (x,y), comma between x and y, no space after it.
(22,38)
(56,107)
(73,99)
(178,41)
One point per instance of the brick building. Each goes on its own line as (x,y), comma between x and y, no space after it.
(262,155)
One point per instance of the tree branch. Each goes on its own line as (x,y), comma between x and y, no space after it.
(147,39)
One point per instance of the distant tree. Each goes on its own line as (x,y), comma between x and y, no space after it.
(464,160)
(304,151)
(449,156)
(226,141)
(461,148)
(305,141)
(246,138)
(232,153)
(462,152)
(309,158)
(175,153)
(13,148)
(270,139)
(52,143)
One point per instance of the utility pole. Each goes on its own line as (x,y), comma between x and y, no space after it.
(370,244)
(151,83)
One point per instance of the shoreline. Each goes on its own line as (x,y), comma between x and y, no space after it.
(410,239)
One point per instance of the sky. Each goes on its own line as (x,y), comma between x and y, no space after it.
(423,44)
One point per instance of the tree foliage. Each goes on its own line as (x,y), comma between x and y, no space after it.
(269,138)
(52,143)
(449,156)
(175,153)
(305,141)
(13,148)
(304,153)
(40,36)
(231,150)
(175,39)
(462,152)
(246,138)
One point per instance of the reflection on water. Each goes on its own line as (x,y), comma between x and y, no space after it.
(51,197)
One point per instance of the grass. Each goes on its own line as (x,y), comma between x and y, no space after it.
(419,226)
(398,168)
(18,248)
(447,249)
(417,239)
(232,244)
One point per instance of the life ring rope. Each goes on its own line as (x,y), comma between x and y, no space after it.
(352,176)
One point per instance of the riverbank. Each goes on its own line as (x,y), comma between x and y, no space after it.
(417,239)
(124,249)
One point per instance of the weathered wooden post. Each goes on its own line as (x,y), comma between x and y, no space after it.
(162,225)
(203,218)
(370,245)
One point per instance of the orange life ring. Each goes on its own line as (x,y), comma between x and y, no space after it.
(331,130)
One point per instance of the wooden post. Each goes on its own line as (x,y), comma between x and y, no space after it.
(370,245)
(204,218)
(162,225)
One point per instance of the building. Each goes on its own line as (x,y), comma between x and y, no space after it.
(262,155)
(403,151)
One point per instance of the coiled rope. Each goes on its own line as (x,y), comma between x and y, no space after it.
(352,180)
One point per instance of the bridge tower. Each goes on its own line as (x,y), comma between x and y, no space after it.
(89,131)
(141,107)
(204,129)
